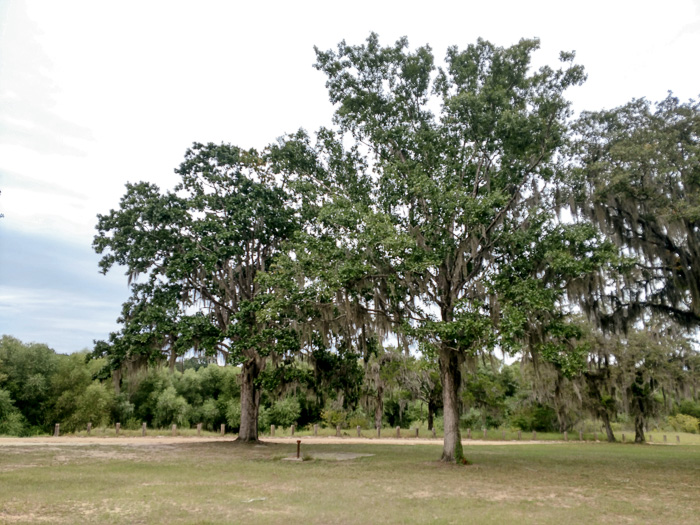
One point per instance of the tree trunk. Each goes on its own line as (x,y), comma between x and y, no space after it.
(450,363)
(250,401)
(379,407)
(639,428)
(431,414)
(606,423)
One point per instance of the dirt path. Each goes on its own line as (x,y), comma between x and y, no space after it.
(168,440)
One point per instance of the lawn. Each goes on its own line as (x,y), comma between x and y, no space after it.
(221,482)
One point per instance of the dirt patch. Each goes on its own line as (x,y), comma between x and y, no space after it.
(69,441)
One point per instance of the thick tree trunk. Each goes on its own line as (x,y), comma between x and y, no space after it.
(379,408)
(250,401)
(450,364)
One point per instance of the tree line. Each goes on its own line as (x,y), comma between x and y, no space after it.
(39,388)
(450,211)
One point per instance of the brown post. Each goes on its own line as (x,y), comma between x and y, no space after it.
(398,432)
(89,428)
(623,438)
(580,435)
(665,441)
(416,431)
(315,430)
(358,431)
(534,435)
(337,431)
(520,435)
(298,447)
(118,426)
(143,428)
(484,432)
(272,430)
(57,430)
(199,429)
(223,428)
(174,430)
(566,436)
(469,433)
(678,439)
(291,431)
(379,431)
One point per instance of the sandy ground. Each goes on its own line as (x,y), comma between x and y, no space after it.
(168,440)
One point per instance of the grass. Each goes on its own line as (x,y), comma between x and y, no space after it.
(222,482)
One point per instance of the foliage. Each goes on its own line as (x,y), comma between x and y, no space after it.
(684,423)
(638,179)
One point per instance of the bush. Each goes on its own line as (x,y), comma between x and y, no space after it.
(684,423)
(689,408)
(537,417)
(359,419)
(332,418)
(94,406)
(233,414)
(172,408)
(12,422)
(284,413)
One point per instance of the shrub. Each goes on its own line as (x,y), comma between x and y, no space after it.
(233,414)
(94,406)
(684,423)
(171,408)
(689,408)
(332,418)
(284,413)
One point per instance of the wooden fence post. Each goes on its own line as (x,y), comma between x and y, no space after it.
(359,433)
(337,431)
(566,436)
(398,432)
(651,438)
(379,431)
(665,441)
(89,428)
(199,429)
(623,438)
(503,435)
(57,430)
(272,430)
(117,427)
(534,435)
(291,431)
(484,432)
(434,433)
(174,430)
(223,428)
(469,433)
(678,438)
(580,435)
(315,430)
(416,431)
(143,428)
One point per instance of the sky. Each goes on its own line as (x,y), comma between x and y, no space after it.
(97,94)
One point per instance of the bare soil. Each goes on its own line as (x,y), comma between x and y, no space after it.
(170,440)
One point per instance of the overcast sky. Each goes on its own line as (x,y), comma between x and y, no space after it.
(94,94)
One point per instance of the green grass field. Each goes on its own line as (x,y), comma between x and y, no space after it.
(221,482)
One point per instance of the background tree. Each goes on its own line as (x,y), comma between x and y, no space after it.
(200,249)
(638,178)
